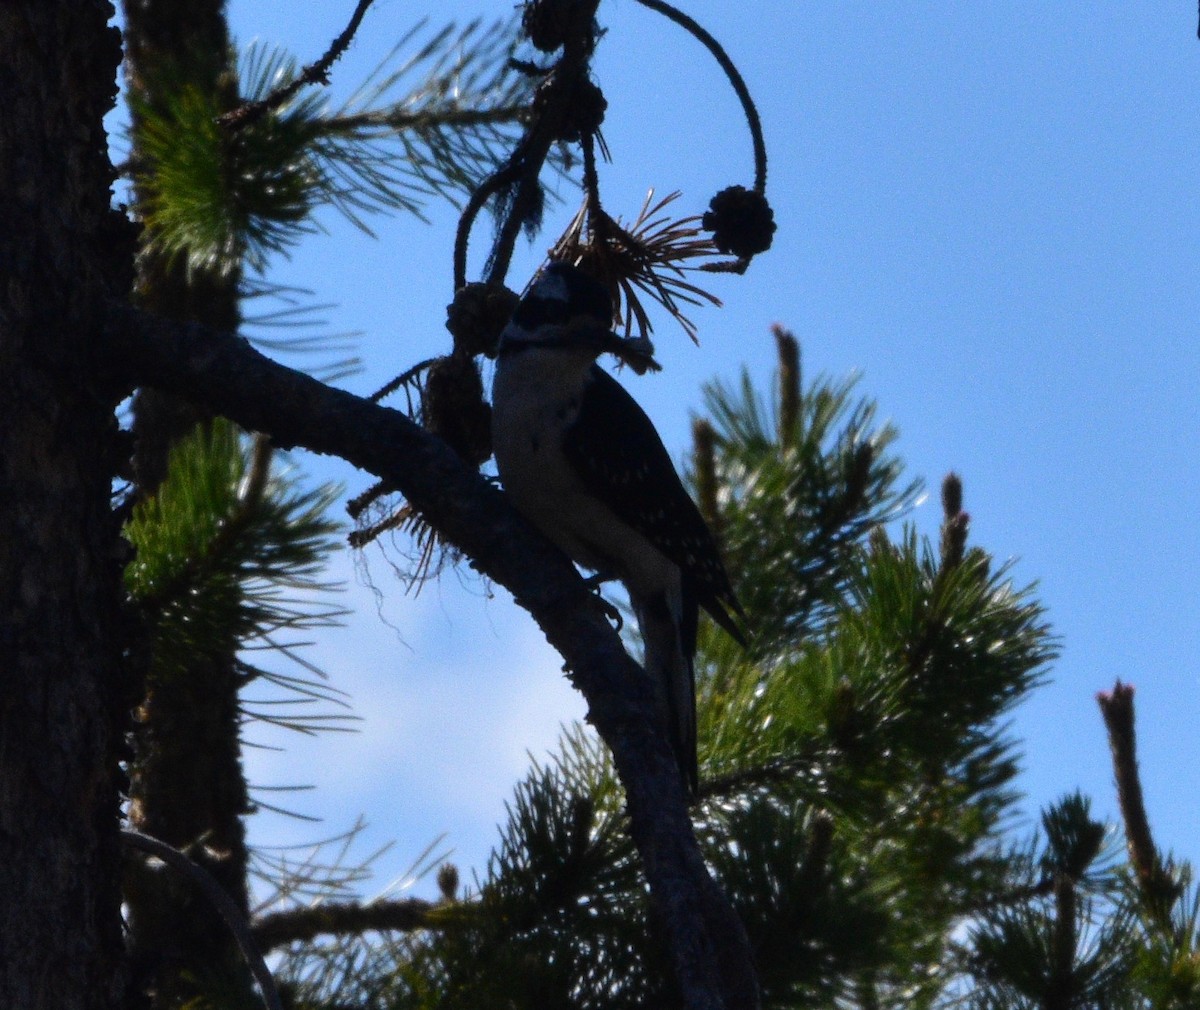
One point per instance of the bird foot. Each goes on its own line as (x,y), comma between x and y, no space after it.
(594,582)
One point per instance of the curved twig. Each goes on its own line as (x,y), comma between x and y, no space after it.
(524,166)
(221,901)
(735,79)
(490,186)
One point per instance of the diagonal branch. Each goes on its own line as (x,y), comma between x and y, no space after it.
(314,73)
(706,941)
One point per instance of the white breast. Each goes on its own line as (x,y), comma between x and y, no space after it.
(535,397)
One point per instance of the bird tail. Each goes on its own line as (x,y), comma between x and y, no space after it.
(668,624)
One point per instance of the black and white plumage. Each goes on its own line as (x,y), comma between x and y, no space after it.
(583,462)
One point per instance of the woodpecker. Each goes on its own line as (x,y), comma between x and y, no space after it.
(582,461)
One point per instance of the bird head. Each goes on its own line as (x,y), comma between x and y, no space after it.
(568,309)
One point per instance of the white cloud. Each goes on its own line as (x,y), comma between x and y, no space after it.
(452,700)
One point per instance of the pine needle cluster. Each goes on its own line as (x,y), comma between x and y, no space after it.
(432,120)
(230,551)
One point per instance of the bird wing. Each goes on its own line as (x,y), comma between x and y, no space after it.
(614,444)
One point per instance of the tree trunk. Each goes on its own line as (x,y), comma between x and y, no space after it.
(63,699)
(171,44)
(187,786)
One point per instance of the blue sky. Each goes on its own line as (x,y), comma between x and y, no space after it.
(988,210)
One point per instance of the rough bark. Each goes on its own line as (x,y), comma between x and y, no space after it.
(62,253)
(707,942)
(187,785)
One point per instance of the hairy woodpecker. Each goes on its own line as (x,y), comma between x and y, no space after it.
(582,461)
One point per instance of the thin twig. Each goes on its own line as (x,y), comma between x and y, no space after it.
(221,901)
(735,79)
(524,166)
(314,73)
(405,377)
(591,184)
(358,504)
(259,470)
(503,176)
(361,537)
(524,201)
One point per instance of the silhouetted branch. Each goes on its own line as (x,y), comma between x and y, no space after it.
(519,175)
(339,918)
(314,73)
(708,944)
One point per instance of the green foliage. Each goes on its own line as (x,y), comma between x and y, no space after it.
(798,495)
(813,916)
(890,720)
(1061,936)
(229,554)
(218,198)
(561,920)
(432,120)
(1077,929)
(1073,840)
(1167,969)
(875,692)
(856,776)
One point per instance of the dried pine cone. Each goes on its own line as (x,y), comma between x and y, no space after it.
(584,112)
(548,24)
(741,221)
(453,408)
(477,315)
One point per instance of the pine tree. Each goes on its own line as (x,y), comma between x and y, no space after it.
(227,544)
(228,163)
(858,779)
(855,773)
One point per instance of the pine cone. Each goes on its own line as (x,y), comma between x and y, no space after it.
(453,408)
(741,221)
(477,316)
(548,23)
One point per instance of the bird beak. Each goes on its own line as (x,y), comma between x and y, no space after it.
(636,352)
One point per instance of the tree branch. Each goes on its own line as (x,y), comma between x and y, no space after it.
(279,928)
(314,73)
(220,900)
(707,943)
(1157,887)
